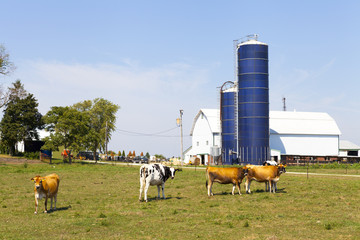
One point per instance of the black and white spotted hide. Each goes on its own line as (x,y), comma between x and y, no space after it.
(154,174)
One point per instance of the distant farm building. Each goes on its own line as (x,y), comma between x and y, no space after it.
(295,137)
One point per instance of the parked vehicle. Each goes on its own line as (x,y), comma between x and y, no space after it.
(141,159)
(87,155)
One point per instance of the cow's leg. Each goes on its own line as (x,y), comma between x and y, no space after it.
(158,187)
(247,185)
(55,200)
(51,198)
(238,185)
(270,183)
(36,204)
(162,188)
(146,190)
(274,186)
(46,200)
(233,189)
(141,188)
(210,188)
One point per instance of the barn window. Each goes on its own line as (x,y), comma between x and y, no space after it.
(352,153)
(207,142)
(197,143)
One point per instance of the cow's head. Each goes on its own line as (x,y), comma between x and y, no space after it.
(38,182)
(246,170)
(282,168)
(173,171)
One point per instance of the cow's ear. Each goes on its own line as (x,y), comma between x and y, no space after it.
(32,179)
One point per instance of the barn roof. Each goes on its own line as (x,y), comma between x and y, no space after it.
(284,122)
(319,123)
(212,115)
(347,145)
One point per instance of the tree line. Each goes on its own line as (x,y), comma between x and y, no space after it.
(86,125)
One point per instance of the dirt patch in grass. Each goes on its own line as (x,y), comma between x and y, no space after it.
(5,160)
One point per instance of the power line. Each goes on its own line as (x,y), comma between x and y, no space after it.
(156,134)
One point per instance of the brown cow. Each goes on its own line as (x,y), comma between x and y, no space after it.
(267,174)
(46,187)
(232,175)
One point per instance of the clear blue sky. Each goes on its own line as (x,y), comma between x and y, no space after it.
(153,58)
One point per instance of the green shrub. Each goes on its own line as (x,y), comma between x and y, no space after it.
(32,155)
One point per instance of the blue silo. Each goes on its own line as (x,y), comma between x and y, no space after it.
(228,122)
(253,102)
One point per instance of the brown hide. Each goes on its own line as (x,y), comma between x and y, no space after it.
(47,187)
(268,174)
(262,173)
(232,175)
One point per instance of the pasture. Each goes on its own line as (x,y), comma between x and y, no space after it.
(101,202)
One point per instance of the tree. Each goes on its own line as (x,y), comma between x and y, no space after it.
(6,67)
(147,155)
(21,119)
(123,153)
(102,118)
(67,126)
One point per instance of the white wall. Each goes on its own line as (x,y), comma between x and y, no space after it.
(202,138)
(313,145)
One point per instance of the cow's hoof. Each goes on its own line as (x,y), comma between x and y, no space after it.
(35,212)
(45,211)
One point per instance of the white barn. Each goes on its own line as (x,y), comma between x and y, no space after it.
(205,134)
(304,133)
(291,134)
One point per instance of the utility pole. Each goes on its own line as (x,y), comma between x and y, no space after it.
(106,154)
(181,135)
(284,104)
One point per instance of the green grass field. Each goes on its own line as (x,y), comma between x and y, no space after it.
(101,202)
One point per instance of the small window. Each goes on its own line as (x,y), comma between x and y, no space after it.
(197,143)
(352,153)
(202,116)
(207,143)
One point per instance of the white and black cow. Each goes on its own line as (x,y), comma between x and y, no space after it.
(154,174)
(270,163)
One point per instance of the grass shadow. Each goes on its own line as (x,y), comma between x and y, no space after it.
(161,199)
(59,209)
(281,190)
